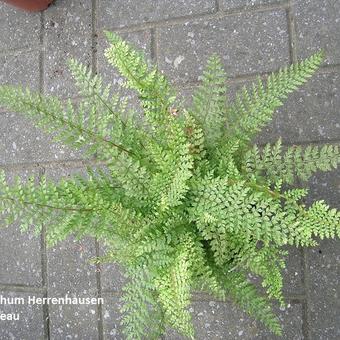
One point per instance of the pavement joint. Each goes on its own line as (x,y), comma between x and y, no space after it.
(20,50)
(194,17)
(42,54)
(99,291)
(154,46)
(94,36)
(98,270)
(305,308)
(21,288)
(291,32)
(43,246)
(217,5)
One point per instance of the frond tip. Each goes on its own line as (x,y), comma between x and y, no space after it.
(253,110)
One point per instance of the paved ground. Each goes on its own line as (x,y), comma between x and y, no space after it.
(253,37)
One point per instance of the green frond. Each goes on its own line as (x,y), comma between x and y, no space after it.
(253,109)
(70,125)
(209,101)
(294,163)
(91,85)
(173,287)
(141,314)
(245,294)
(195,137)
(154,91)
(317,221)
(267,263)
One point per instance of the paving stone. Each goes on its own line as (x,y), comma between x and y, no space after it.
(184,95)
(70,273)
(64,171)
(324,270)
(112,317)
(226,5)
(247,44)
(323,264)
(19,29)
(112,275)
(214,320)
(69,267)
(74,322)
(21,142)
(19,252)
(326,186)
(68,34)
(291,320)
(293,274)
(30,324)
(310,114)
(131,12)
(317,26)
(14,70)
(20,257)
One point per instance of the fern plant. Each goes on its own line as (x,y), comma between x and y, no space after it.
(184,201)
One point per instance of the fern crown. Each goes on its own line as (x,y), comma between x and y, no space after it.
(182,199)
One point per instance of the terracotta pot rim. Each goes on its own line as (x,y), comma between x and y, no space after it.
(30,5)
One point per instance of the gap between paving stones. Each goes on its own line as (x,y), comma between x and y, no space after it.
(184,19)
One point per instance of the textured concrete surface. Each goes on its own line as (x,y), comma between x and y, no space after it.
(317,26)
(129,12)
(216,320)
(323,266)
(22,142)
(67,33)
(229,5)
(14,69)
(18,29)
(310,114)
(253,37)
(30,324)
(184,49)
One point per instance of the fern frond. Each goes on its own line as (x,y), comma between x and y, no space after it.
(173,288)
(245,295)
(65,123)
(91,87)
(295,162)
(209,100)
(318,221)
(74,206)
(141,313)
(253,110)
(154,91)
